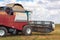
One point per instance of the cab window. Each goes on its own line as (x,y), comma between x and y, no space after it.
(9,11)
(2,11)
(1,8)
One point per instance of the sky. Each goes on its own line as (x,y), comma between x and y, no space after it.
(46,10)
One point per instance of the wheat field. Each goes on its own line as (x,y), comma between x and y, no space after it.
(55,35)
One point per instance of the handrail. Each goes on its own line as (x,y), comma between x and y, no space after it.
(21,11)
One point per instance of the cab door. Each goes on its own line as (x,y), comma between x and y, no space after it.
(3,18)
(8,18)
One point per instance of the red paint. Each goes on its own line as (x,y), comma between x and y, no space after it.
(8,20)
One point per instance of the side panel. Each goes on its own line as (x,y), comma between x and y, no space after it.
(20,17)
(8,20)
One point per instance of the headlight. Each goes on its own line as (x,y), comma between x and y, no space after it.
(53,26)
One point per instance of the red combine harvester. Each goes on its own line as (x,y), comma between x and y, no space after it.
(15,19)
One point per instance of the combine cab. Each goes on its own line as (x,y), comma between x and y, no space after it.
(14,19)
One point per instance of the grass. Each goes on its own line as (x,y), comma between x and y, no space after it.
(55,35)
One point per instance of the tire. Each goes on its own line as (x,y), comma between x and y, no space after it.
(27,30)
(3,31)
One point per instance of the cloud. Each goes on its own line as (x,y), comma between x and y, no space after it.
(40,9)
(2,4)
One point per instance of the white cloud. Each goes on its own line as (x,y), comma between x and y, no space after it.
(2,4)
(39,9)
